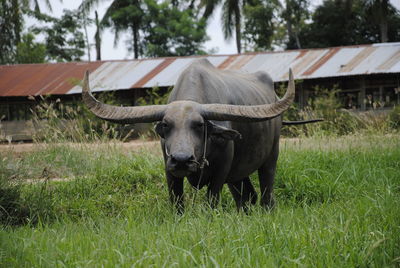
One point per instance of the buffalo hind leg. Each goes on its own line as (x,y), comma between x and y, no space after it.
(266,175)
(175,189)
(244,193)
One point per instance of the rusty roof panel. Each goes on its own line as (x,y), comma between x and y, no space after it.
(62,78)
(275,64)
(356,60)
(168,76)
(41,79)
(241,61)
(391,62)
(115,75)
(303,62)
(216,60)
(321,61)
(227,62)
(155,72)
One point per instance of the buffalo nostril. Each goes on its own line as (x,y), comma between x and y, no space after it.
(181,158)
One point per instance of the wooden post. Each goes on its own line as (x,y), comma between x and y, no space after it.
(362,93)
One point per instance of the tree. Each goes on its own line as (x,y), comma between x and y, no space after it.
(126,15)
(169,31)
(35,4)
(29,51)
(231,20)
(295,14)
(260,24)
(231,17)
(379,13)
(157,28)
(97,37)
(340,23)
(64,38)
(11,22)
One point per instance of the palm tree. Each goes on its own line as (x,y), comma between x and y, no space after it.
(35,4)
(379,10)
(121,15)
(231,17)
(11,24)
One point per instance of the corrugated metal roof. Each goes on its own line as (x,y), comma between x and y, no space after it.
(42,79)
(62,78)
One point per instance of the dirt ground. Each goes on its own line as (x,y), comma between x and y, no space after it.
(134,145)
(319,143)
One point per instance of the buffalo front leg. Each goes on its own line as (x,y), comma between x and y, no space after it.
(243,192)
(213,195)
(175,189)
(215,186)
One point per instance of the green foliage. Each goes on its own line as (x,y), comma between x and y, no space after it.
(58,122)
(295,15)
(339,23)
(157,28)
(337,121)
(170,31)
(154,96)
(337,206)
(11,22)
(259,24)
(394,117)
(64,38)
(12,211)
(327,106)
(126,15)
(29,51)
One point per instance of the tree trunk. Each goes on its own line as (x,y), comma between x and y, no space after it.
(238,29)
(97,38)
(135,42)
(86,35)
(383,25)
(292,43)
(298,44)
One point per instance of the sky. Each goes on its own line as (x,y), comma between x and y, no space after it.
(111,52)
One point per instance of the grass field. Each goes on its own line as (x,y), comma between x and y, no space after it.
(338,205)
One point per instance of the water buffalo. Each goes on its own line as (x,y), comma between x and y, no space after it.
(218,127)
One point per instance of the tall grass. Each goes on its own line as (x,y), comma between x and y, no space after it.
(337,121)
(58,122)
(94,204)
(338,205)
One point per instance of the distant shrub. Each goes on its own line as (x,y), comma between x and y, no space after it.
(55,122)
(337,121)
(394,118)
(12,210)
(155,96)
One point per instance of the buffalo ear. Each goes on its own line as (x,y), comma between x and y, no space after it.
(159,129)
(222,132)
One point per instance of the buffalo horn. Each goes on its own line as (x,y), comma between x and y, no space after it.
(244,113)
(124,115)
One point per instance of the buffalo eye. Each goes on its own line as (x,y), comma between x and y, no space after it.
(166,127)
(162,128)
(198,125)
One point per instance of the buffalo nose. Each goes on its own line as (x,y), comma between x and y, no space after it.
(181,158)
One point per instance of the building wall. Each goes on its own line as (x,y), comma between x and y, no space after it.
(17,113)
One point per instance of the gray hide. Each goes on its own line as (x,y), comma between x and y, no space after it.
(230,161)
